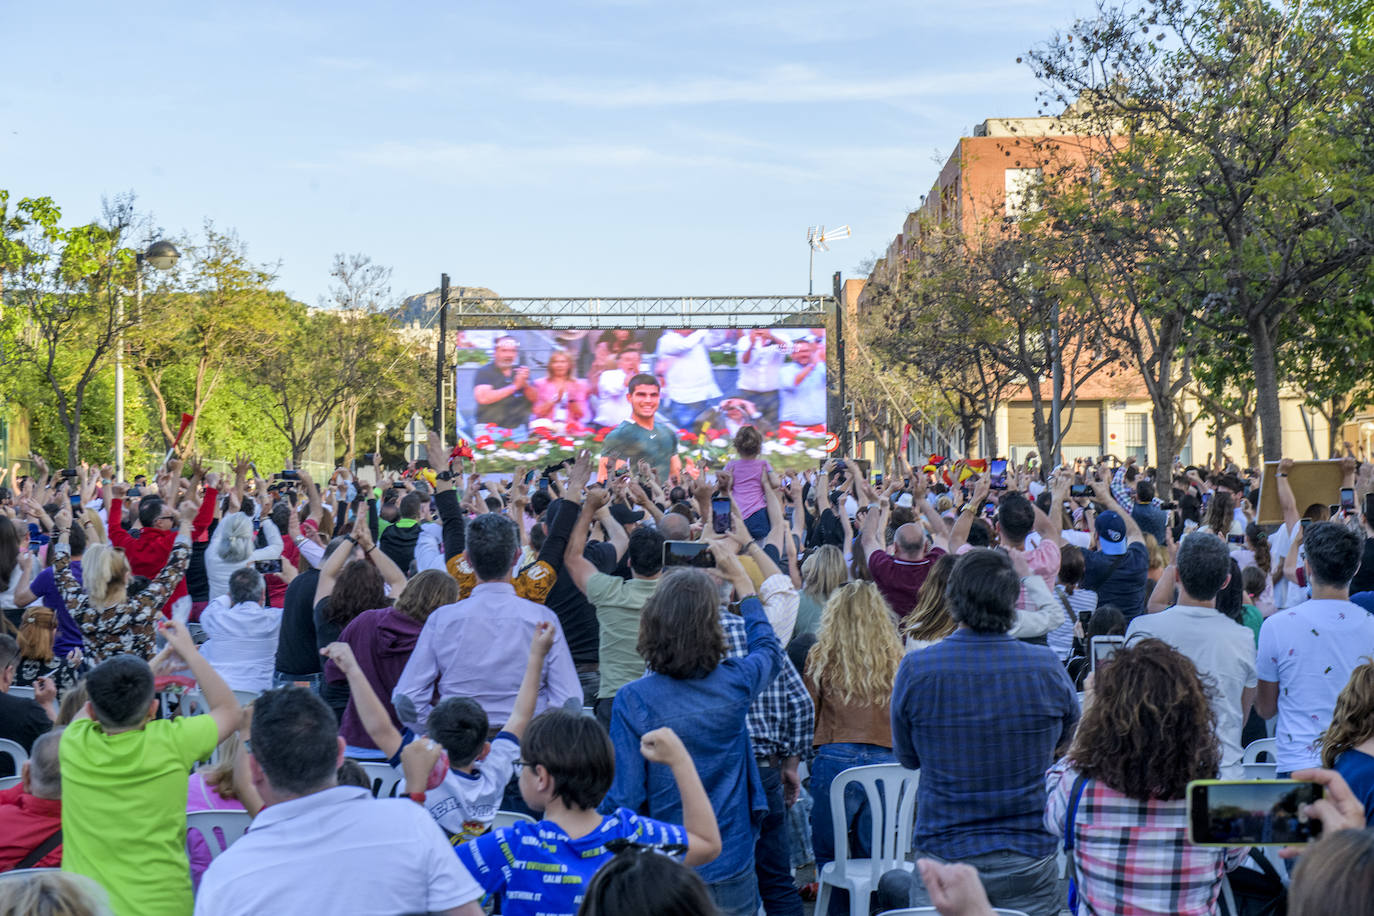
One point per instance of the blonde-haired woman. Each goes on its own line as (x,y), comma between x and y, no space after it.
(111,622)
(1347,745)
(822,572)
(849,674)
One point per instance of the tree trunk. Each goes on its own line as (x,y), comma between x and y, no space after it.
(1249,431)
(1267,389)
(1166,432)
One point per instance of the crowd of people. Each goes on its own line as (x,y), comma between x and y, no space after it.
(589,378)
(631,693)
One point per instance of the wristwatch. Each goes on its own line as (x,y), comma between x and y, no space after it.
(444,475)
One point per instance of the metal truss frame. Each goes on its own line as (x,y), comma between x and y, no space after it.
(604,312)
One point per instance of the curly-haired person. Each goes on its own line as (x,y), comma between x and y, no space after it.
(1130,820)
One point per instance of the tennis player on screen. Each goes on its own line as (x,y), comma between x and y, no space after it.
(642,436)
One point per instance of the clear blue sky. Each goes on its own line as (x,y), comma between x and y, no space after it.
(539,148)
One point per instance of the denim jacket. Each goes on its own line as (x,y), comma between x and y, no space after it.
(709,714)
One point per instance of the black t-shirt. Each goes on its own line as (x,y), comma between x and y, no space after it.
(507,413)
(21,720)
(297,651)
(1364,579)
(1126,585)
(575,612)
(336,695)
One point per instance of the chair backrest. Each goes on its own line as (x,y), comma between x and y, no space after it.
(891,791)
(217,826)
(15,751)
(386,779)
(25,692)
(507,818)
(246,696)
(9,782)
(22,873)
(193,703)
(1265,746)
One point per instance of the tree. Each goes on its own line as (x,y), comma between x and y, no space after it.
(186,341)
(1330,346)
(1265,130)
(68,285)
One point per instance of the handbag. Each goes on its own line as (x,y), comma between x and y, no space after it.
(1251,892)
(1070,871)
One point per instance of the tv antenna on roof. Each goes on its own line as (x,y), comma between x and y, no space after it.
(817,239)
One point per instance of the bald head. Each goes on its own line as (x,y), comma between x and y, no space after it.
(910,542)
(674,527)
(44,776)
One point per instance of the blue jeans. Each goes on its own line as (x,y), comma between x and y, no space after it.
(737,896)
(1012,880)
(772,852)
(758,525)
(831,760)
(682,415)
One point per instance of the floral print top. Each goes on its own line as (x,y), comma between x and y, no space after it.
(126,627)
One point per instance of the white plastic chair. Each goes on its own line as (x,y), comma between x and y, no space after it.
(246,696)
(1254,768)
(924,910)
(25,692)
(231,824)
(9,782)
(894,818)
(22,873)
(16,753)
(510,818)
(386,779)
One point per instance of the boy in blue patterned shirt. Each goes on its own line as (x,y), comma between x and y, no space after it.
(566,770)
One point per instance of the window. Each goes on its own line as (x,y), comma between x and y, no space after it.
(1022,185)
(1137,436)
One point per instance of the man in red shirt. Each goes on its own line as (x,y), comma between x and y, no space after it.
(148,552)
(899,575)
(31,812)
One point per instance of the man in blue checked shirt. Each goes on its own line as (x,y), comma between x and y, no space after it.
(983,716)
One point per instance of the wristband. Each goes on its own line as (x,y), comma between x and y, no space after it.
(417,797)
(1280,475)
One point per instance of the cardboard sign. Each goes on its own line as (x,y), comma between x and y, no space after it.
(1312,482)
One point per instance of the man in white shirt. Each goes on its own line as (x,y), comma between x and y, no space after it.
(319,847)
(685,369)
(760,354)
(1222,650)
(242,632)
(612,405)
(478,647)
(1306,653)
(803,384)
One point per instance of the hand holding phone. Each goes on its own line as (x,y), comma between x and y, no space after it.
(1252,812)
(688,553)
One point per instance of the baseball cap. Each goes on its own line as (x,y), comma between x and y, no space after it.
(624,514)
(1111,534)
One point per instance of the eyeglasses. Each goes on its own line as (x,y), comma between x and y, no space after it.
(521,764)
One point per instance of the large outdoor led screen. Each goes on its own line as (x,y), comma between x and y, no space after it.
(671,397)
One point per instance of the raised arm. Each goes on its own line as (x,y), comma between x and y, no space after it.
(393,575)
(1104,494)
(525,699)
(1288,503)
(662,745)
(369,707)
(574,563)
(224,706)
(958,535)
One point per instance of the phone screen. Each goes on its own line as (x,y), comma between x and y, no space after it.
(76,502)
(1236,540)
(1104,647)
(1347,499)
(720,515)
(1252,812)
(1080,490)
(687,553)
(998,469)
(543,483)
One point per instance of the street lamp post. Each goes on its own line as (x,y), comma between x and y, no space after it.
(377,444)
(162,255)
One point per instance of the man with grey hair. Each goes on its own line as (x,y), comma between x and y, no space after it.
(1222,649)
(478,647)
(243,632)
(31,812)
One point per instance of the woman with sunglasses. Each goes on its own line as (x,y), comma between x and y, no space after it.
(112,622)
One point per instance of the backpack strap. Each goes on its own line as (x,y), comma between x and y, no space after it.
(41,850)
(1070,816)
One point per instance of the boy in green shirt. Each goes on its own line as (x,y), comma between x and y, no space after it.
(124,780)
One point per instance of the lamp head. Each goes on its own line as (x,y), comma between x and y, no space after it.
(162,255)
